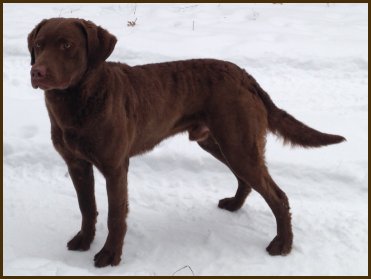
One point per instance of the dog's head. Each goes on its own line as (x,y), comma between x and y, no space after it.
(63,49)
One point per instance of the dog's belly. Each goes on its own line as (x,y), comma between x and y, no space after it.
(151,135)
(146,142)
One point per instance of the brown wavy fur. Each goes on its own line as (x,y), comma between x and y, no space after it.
(103,113)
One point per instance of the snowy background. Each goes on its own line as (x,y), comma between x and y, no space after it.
(313,61)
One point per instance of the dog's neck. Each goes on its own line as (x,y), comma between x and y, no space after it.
(72,105)
(89,85)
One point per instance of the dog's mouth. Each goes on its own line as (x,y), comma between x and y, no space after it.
(44,85)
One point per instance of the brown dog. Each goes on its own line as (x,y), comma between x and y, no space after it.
(103,113)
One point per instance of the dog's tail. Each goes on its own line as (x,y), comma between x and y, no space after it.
(290,129)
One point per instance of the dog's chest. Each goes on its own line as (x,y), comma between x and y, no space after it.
(74,137)
(69,111)
(78,143)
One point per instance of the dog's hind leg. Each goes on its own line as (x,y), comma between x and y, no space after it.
(242,142)
(243,190)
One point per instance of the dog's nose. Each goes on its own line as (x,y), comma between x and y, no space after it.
(38,72)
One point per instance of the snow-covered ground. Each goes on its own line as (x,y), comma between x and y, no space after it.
(313,61)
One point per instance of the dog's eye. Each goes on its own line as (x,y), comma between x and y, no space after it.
(37,45)
(66,45)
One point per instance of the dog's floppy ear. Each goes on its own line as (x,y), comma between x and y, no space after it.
(31,38)
(99,42)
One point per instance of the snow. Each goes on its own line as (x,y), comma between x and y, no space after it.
(313,61)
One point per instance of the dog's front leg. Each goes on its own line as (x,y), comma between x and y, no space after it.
(82,176)
(116,183)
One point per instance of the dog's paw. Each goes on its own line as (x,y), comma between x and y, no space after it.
(279,247)
(230,204)
(80,242)
(107,257)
